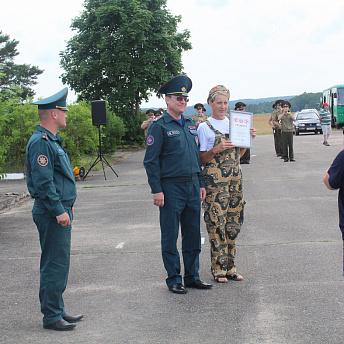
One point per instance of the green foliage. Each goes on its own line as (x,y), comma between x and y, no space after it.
(16,79)
(123,50)
(80,137)
(17,125)
(112,133)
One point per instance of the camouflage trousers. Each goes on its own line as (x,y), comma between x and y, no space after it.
(224,216)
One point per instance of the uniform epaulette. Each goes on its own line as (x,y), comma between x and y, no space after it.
(157,118)
(45,136)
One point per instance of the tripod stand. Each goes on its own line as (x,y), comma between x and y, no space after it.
(100,157)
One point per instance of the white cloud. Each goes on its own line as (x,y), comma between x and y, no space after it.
(257,48)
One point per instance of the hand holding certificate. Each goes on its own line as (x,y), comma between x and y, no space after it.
(240,124)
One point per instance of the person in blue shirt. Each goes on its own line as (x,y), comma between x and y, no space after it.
(334,180)
(51,182)
(174,174)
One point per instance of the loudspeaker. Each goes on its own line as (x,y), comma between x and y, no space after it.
(98,112)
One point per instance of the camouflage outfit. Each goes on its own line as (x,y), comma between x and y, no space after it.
(223,206)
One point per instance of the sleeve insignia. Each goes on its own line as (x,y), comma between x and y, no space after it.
(42,160)
(150,140)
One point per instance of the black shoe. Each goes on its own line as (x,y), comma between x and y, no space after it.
(198,284)
(73,319)
(60,325)
(177,288)
(292,160)
(286,160)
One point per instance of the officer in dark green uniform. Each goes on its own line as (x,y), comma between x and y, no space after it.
(174,174)
(51,182)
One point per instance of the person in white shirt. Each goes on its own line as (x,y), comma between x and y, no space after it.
(224,204)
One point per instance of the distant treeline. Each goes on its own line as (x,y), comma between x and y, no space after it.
(303,101)
(264,105)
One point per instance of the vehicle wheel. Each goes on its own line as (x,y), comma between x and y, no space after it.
(316,132)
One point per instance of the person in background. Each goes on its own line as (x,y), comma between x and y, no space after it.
(145,124)
(51,182)
(275,114)
(200,117)
(174,174)
(224,204)
(333,179)
(325,120)
(159,112)
(245,159)
(275,128)
(287,127)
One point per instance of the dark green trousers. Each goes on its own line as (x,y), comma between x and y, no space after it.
(55,243)
(182,206)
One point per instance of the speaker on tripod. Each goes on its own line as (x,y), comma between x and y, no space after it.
(98,119)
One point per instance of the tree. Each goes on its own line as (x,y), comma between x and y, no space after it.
(123,50)
(15,79)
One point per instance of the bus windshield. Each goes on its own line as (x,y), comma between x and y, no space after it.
(340,92)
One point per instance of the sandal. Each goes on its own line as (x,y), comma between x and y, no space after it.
(235,277)
(221,279)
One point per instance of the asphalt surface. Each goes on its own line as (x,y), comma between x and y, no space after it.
(289,252)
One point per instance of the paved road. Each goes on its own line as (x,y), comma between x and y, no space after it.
(289,252)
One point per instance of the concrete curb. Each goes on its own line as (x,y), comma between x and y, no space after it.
(13,198)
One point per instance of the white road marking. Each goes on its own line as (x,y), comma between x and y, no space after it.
(120,245)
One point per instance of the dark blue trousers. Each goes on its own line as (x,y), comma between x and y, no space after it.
(182,206)
(54,267)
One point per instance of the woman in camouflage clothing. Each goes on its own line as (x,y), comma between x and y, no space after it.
(224,204)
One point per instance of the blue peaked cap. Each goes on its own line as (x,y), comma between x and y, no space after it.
(180,85)
(56,101)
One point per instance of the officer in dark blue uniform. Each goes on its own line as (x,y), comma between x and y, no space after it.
(174,174)
(51,182)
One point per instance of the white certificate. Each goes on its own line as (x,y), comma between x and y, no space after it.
(240,124)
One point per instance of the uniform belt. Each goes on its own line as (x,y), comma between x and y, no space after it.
(66,204)
(180,180)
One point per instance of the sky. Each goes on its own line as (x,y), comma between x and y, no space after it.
(256,48)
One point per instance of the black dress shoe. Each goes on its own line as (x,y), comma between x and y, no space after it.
(292,160)
(73,319)
(198,284)
(60,325)
(177,288)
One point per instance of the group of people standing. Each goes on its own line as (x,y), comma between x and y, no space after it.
(176,151)
(281,121)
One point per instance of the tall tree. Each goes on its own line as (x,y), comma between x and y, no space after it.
(15,79)
(123,50)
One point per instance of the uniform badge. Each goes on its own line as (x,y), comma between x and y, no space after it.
(150,140)
(42,160)
(196,139)
(173,132)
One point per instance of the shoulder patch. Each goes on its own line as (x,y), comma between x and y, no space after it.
(157,118)
(42,160)
(150,140)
